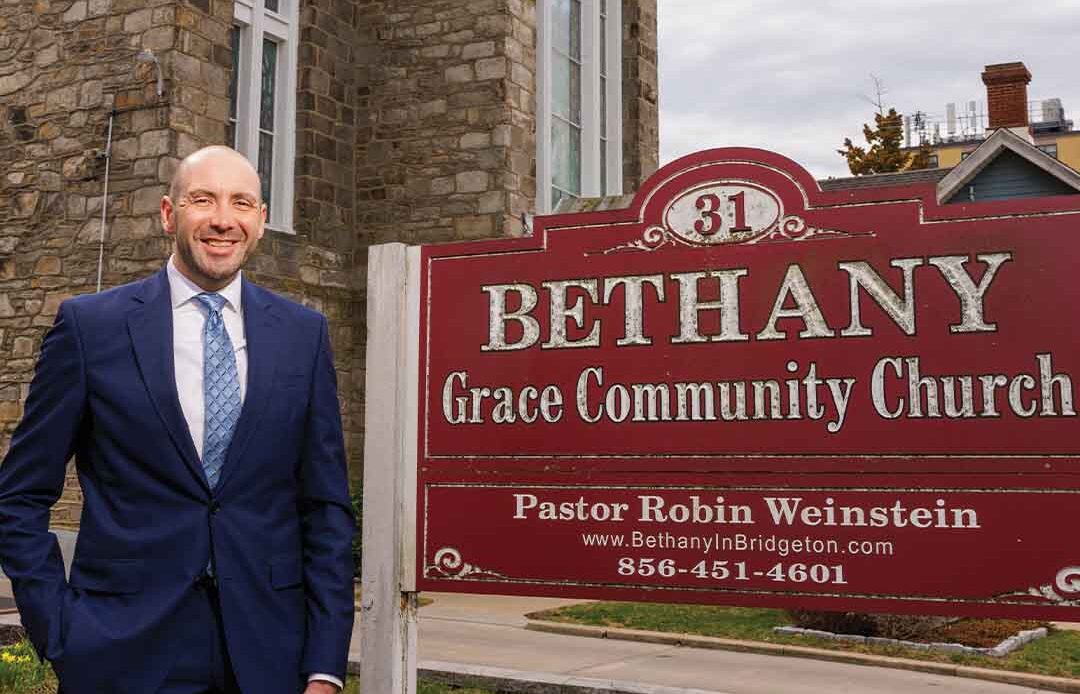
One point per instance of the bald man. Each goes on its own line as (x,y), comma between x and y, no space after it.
(214,550)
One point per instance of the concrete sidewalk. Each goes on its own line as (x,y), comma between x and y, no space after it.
(489,632)
(483,640)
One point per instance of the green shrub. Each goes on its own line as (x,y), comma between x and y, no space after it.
(20,669)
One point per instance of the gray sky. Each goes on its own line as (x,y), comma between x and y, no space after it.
(787,75)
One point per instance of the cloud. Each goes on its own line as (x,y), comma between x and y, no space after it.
(790,76)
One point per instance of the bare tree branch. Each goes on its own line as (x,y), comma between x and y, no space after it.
(878,100)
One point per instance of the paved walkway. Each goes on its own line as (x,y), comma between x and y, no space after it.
(487,635)
(488,630)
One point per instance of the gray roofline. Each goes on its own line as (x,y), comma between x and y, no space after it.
(980,158)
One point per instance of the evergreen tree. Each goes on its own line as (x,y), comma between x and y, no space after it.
(921,158)
(883,154)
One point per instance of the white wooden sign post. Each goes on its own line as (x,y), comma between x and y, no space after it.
(388,602)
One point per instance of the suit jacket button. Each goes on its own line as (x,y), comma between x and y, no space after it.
(214,506)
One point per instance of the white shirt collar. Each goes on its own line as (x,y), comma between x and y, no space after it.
(183,289)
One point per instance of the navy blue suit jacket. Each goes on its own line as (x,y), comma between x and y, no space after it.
(279,523)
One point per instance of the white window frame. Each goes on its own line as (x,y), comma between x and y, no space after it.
(255,23)
(590,101)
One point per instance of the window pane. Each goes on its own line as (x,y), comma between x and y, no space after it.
(566,27)
(266,164)
(566,89)
(269,78)
(565,156)
(234,78)
(560,150)
(272,5)
(560,86)
(560,25)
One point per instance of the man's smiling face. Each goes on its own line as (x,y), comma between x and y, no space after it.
(215,215)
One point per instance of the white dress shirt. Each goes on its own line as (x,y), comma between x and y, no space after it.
(189,318)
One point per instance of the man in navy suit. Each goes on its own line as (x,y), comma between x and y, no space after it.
(214,547)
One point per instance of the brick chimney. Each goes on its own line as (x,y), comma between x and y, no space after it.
(1006,95)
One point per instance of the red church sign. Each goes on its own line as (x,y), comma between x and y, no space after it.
(744,390)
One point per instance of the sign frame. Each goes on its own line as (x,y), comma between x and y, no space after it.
(743,198)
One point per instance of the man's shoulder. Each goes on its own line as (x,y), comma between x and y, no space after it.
(286,307)
(114,297)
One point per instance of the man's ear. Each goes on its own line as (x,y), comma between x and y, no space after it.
(167,212)
(265,218)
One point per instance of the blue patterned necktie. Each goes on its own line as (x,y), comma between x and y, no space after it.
(221,388)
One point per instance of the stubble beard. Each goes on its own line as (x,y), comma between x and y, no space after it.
(205,270)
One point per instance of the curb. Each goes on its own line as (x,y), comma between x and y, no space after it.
(508,681)
(1056,684)
(524,682)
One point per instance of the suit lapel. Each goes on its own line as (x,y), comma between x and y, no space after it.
(150,326)
(261,324)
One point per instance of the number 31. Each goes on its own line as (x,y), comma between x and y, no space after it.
(711,222)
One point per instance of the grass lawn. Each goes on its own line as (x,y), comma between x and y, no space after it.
(1058,654)
(22,673)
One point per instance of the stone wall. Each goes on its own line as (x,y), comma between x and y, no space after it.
(445,119)
(66,69)
(641,109)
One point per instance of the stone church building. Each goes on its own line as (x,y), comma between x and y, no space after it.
(370,121)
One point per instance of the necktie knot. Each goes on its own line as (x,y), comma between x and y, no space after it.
(213,301)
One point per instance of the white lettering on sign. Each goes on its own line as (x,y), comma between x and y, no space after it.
(530,505)
(780,511)
(793,299)
(898,387)
(711,401)
(792,511)
(956,396)
(462,404)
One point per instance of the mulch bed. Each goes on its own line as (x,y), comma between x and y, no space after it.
(981,633)
(11,634)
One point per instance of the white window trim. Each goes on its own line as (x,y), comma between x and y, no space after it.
(590,101)
(257,23)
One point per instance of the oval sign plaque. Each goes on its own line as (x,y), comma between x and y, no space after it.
(722,212)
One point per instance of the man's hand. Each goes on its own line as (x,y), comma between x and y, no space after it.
(321,687)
